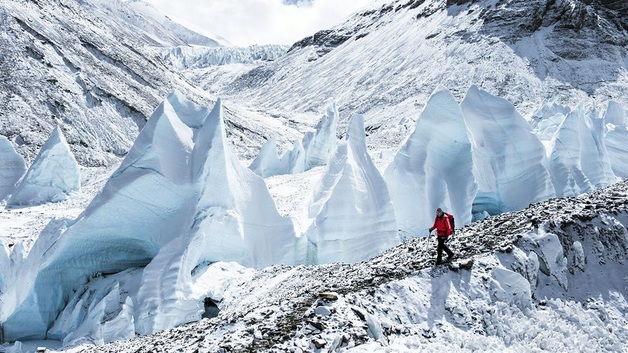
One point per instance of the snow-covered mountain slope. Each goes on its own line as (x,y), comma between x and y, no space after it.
(144,15)
(77,65)
(386,61)
(550,277)
(149,24)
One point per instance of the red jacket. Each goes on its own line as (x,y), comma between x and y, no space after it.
(444,225)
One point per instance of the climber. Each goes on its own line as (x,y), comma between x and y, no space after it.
(444,225)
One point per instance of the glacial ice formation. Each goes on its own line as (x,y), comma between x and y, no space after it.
(179,199)
(596,163)
(313,150)
(433,168)
(508,159)
(267,162)
(181,206)
(51,178)
(616,137)
(354,218)
(565,162)
(320,144)
(12,167)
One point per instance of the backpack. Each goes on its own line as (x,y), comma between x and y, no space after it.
(452,221)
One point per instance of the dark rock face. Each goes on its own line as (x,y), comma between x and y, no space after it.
(514,19)
(571,31)
(457,2)
(326,40)
(619,5)
(525,17)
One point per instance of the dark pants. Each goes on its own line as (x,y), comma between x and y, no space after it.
(441,247)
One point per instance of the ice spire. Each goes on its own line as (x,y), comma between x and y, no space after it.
(596,163)
(565,164)
(353,216)
(12,167)
(235,219)
(433,168)
(267,161)
(313,150)
(616,137)
(52,177)
(320,144)
(508,158)
(179,199)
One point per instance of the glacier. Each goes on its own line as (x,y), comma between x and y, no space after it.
(53,175)
(354,218)
(508,159)
(525,281)
(195,57)
(433,168)
(520,285)
(12,167)
(320,144)
(578,158)
(547,118)
(595,158)
(565,161)
(268,163)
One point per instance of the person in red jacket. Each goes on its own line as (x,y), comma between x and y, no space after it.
(444,225)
